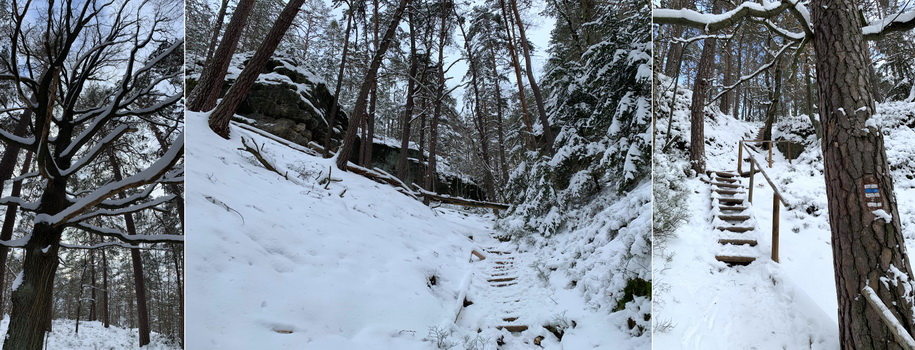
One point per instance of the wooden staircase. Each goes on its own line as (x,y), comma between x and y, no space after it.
(732,219)
(502,280)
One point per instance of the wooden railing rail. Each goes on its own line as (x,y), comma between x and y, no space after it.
(777,198)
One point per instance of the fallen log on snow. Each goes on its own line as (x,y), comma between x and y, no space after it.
(461,201)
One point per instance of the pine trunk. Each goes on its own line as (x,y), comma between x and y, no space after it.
(9,222)
(358,115)
(866,247)
(219,120)
(408,109)
(510,33)
(219,19)
(436,110)
(334,109)
(538,97)
(208,88)
(697,108)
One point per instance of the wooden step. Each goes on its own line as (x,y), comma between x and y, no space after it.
(731,217)
(739,229)
(727,191)
(504,262)
(736,241)
(721,173)
(513,328)
(735,260)
(729,185)
(733,208)
(729,180)
(504,284)
(509,319)
(724,200)
(504,279)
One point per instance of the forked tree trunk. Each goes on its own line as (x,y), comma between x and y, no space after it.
(346,151)
(697,108)
(510,38)
(138,277)
(437,109)
(866,247)
(219,120)
(206,92)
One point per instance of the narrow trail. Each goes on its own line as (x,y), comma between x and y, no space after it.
(506,300)
(732,219)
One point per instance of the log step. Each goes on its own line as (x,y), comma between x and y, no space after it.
(725,200)
(729,180)
(513,328)
(735,260)
(727,217)
(739,229)
(735,241)
(505,279)
(727,191)
(504,284)
(730,208)
(729,185)
(509,319)
(721,173)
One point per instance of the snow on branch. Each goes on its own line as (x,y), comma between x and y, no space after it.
(125,210)
(891,321)
(132,239)
(154,173)
(97,149)
(897,22)
(714,22)
(26,206)
(761,69)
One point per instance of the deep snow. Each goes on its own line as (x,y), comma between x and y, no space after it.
(301,264)
(94,336)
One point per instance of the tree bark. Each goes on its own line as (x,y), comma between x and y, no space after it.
(138,278)
(697,108)
(510,38)
(538,97)
(358,114)
(479,112)
(208,88)
(9,222)
(334,109)
(219,18)
(219,120)
(106,316)
(408,109)
(499,117)
(437,108)
(866,247)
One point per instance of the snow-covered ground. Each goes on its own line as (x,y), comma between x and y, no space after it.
(703,304)
(299,263)
(94,336)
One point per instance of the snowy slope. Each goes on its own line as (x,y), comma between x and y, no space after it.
(289,264)
(701,304)
(94,336)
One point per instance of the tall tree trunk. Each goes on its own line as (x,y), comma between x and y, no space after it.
(772,107)
(499,116)
(538,96)
(437,108)
(204,95)
(809,100)
(106,316)
(219,19)
(697,108)
(346,151)
(219,120)
(510,36)
(479,112)
(334,109)
(92,304)
(866,247)
(138,277)
(729,77)
(180,282)
(675,51)
(408,109)
(735,111)
(9,222)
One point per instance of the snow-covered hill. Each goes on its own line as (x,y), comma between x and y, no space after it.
(301,263)
(790,304)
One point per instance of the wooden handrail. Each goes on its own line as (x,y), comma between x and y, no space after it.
(777,197)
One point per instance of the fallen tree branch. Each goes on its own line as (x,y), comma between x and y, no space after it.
(256,151)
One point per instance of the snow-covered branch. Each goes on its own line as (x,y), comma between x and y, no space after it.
(125,210)
(152,174)
(133,239)
(97,149)
(26,206)
(711,23)
(761,69)
(891,321)
(897,22)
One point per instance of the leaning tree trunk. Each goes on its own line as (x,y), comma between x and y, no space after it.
(436,111)
(206,92)
(408,109)
(219,120)
(346,151)
(697,108)
(138,277)
(334,108)
(868,246)
(219,18)
(510,38)
(538,97)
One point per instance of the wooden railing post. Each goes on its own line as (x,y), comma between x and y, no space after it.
(790,155)
(771,144)
(752,175)
(739,157)
(776,203)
